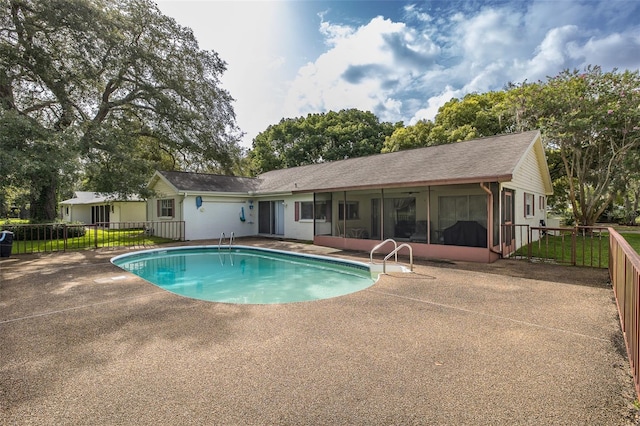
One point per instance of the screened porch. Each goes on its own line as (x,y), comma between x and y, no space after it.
(447,215)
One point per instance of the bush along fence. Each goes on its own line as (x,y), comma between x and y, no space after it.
(577,246)
(55,237)
(624,270)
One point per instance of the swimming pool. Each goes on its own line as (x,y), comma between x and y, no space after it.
(246,274)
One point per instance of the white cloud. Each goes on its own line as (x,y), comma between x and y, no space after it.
(434,103)
(412,12)
(622,49)
(401,69)
(407,70)
(364,69)
(553,52)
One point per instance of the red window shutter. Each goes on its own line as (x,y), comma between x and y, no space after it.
(297,211)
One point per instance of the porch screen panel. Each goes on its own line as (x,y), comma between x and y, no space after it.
(462,208)
(448,211)
(478,209)
(400,217)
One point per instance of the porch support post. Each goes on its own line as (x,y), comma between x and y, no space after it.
(313,212)
(382,237)
(344,215)
(489,214)
(429,214)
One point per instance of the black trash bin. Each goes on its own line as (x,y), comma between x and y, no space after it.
(6,241)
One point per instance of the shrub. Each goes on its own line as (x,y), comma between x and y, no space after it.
(45,231)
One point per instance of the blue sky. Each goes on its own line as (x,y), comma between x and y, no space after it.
(400,60)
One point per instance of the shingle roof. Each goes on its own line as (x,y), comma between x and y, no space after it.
(487,159)
(203,182)
(89,197)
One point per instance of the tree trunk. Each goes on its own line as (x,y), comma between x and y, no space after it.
(43,201)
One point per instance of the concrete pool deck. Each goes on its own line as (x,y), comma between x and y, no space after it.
(83,342)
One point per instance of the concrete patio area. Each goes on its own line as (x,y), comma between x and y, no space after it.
(83,342)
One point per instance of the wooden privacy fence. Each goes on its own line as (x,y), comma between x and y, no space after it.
(55,237)
(624,270)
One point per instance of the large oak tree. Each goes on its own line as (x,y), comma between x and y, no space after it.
(107,90)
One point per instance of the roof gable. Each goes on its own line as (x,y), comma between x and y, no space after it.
(204,182)
(536,158)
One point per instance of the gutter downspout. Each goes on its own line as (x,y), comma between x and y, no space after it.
(490,219)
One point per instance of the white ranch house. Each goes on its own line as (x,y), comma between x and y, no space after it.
(93,207)
(447,201)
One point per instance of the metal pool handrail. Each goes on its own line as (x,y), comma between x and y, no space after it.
(222,237)
(388,240)
(395,251)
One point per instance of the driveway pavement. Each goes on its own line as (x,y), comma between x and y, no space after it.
(84,343)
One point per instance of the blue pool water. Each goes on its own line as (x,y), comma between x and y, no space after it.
(246,274)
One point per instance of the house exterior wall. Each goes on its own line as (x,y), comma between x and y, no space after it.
(215,216)
(528,176)
(301,229)
(164,191)
(294,229)
(527,179)
(441,206)
(131,212)
(76,213)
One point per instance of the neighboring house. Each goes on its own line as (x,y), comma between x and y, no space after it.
(93,207)
(455,201)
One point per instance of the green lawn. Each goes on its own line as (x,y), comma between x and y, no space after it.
(591,250)
(91,239)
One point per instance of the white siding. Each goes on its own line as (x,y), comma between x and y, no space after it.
(79,213)
(129,211)
(163,191)
(528,175)
(302,229)
(217,215)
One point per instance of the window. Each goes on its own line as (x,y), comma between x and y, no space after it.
(306,210)
(529,204)
(541,203)
(165,208)
(352,210)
